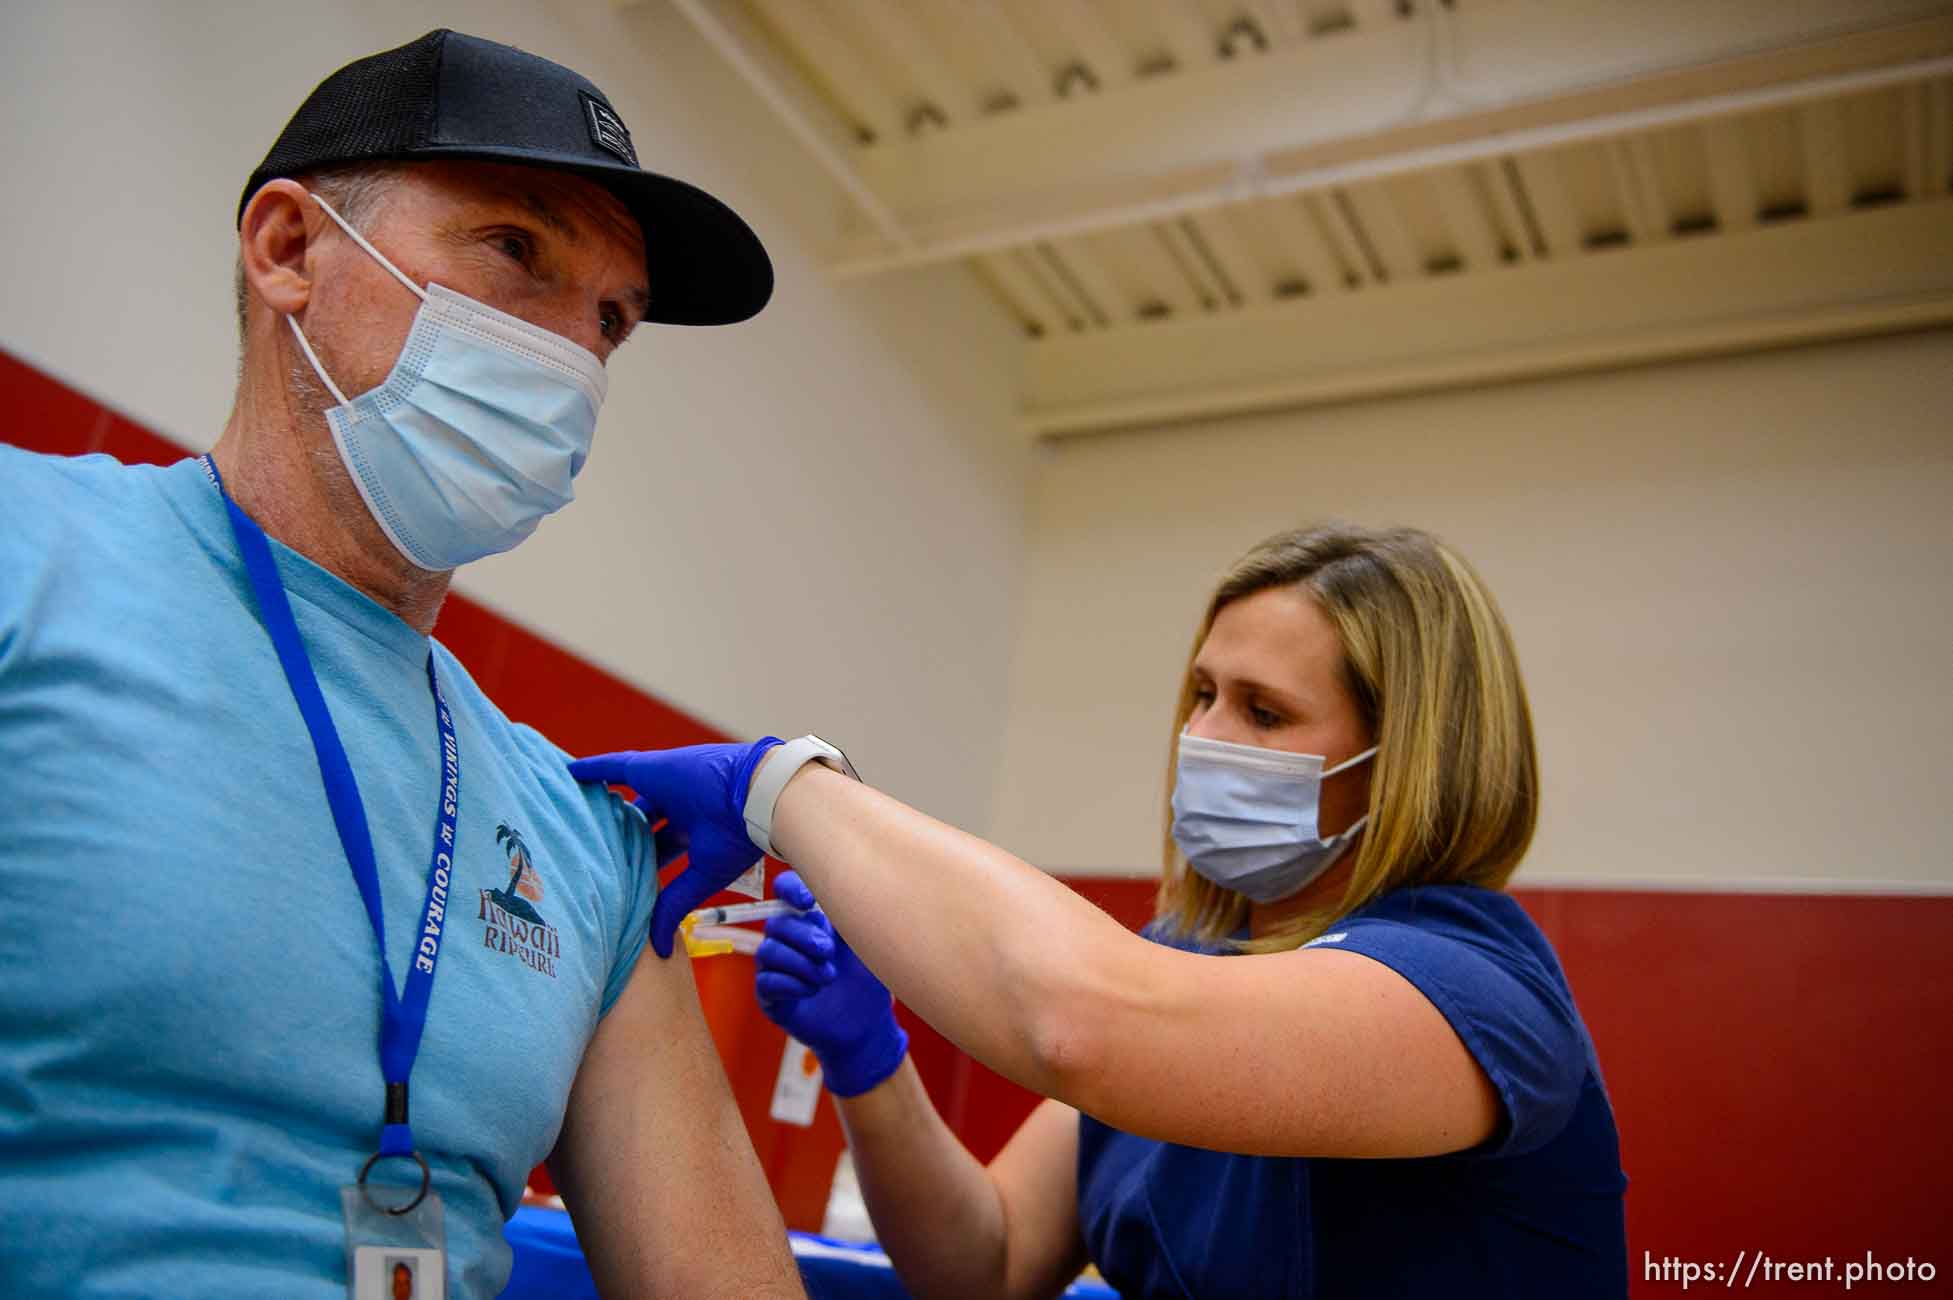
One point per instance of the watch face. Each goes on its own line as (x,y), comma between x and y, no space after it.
(832,754)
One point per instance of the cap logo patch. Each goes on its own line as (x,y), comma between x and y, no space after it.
(607,129)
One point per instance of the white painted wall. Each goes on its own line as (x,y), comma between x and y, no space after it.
(1731,583)
(810,521)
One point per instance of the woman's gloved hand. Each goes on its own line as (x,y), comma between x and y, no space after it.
(812,985)
(701,789)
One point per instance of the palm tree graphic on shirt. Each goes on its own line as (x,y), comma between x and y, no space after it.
(524,883)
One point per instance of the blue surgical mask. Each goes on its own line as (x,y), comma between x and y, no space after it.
(1245,817)
(477,431)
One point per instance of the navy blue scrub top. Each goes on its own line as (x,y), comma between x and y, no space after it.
(1535,1211)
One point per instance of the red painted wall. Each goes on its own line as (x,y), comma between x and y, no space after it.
(1779,1065)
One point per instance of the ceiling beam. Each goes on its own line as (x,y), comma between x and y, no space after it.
(1173,144)
(893,26)
(1080,311)
(1296,235)
(1186,33)
(1467,227)
(1545,190)
(1639,188)
(1016,67)
(1280,20)
(1524,241)
(1732,186)
(1827,183)
(1866,271)
(1329,210)
(1377,224)
(1083,265)
(1142,256)
(849,80)
(1185,255)
(1222,239)
(1088,42)
(1936,140)
(730,30)
(1028,298)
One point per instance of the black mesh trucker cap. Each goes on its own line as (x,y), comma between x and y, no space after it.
(449,95)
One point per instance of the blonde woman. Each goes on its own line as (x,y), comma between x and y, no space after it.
(1340,1062)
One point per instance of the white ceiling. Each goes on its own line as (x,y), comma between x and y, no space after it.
(1197,207)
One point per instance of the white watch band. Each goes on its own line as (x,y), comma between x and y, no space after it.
(772,777)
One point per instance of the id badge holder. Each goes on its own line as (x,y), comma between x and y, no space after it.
(396,1240)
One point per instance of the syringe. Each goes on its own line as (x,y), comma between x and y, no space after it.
(710,931)
(736,913)
(712,940)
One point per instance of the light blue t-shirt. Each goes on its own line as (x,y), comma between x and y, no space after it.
(189,986)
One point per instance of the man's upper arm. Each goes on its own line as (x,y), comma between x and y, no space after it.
(654,1161)
(634,851)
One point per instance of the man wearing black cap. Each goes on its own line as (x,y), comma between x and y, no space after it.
(311,952)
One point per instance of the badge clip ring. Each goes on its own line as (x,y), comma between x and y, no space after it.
(426,1178)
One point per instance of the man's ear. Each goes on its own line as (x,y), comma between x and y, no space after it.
(272,241)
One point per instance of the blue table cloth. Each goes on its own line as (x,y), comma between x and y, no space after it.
(549,1265)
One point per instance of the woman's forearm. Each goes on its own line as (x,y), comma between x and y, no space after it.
(935,1209)
(1003,960)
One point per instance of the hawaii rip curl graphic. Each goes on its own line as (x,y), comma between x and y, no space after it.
(510,922)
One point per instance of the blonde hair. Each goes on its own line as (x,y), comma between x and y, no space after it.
(1454,790)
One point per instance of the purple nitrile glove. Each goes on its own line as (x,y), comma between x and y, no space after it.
(812,985)
(701,791)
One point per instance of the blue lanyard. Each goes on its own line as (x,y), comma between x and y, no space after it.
(402,1018)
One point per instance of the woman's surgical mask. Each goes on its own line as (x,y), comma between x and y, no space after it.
(1245,817)
(476,433)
